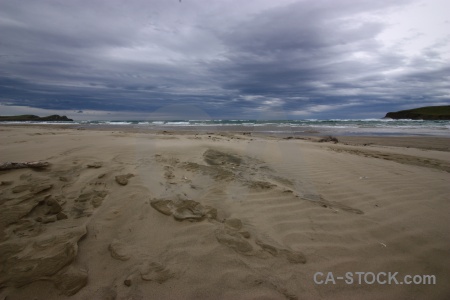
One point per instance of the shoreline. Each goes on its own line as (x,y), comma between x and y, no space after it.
(430,142)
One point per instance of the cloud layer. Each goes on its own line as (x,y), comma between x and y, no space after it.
(258,59)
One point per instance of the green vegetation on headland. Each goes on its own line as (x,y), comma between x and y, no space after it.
(52,118)
(422,113)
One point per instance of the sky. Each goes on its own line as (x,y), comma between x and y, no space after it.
(223,59)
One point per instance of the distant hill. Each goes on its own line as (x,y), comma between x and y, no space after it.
(422,113)
(34,118)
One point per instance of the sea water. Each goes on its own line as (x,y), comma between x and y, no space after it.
(292,127)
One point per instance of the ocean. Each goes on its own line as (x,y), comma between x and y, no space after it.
(285,127)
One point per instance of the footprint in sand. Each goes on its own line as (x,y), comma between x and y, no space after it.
(149,271)
(153,271)
(234,240)
(95,165)
(231,233)
(81,206)
(260,185)
(184,210)
(237,241)
(216,172)
(168,174)
(218,158)
(119,251)
(123,179)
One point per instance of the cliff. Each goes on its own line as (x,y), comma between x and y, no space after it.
(52,118)
(422,113)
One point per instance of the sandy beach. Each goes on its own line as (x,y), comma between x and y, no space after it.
(167,215)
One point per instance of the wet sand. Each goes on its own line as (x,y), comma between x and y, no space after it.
(220,215)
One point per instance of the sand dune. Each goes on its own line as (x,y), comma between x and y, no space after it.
(130,215)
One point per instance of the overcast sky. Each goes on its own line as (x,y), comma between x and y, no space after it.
(263,59)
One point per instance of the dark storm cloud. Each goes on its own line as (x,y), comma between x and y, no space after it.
(231,59)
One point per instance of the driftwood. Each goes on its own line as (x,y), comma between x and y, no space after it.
(20,165)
